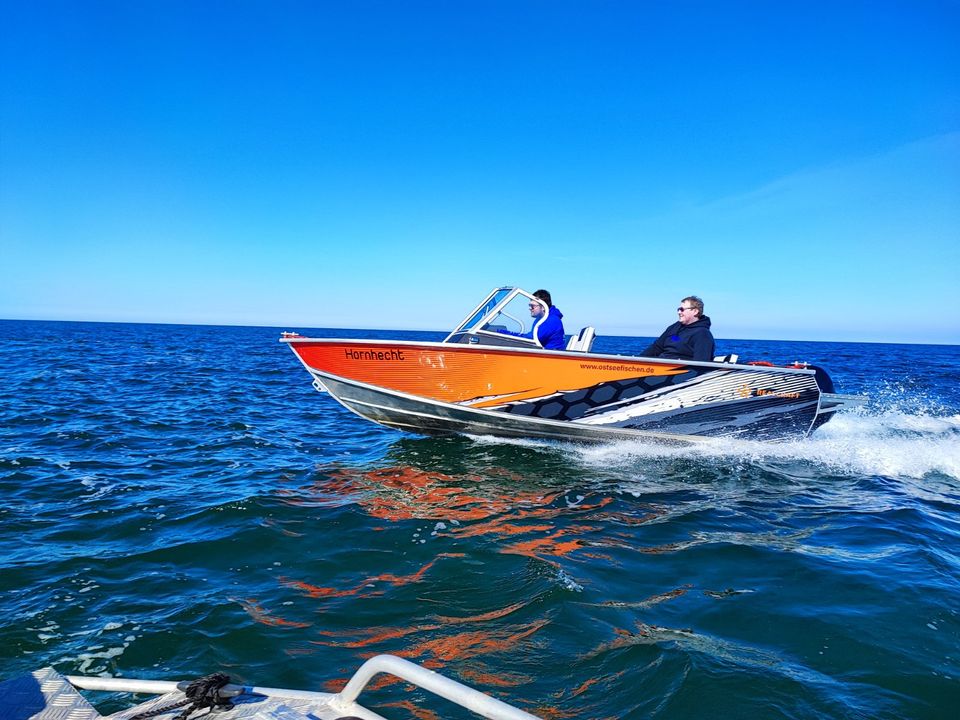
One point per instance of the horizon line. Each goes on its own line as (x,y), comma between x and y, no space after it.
(280,327)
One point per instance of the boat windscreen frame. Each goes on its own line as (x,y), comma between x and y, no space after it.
(489,308)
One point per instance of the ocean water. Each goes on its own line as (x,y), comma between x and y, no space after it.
(177,500)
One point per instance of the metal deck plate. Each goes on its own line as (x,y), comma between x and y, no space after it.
(43,695)
(46,695)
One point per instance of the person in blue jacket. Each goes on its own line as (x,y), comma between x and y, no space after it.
(687,339)
(548,322)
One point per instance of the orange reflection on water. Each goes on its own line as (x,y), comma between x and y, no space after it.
(316,591)
(335,685)
(551,544)
(494,679)
(256,611)
(492,615)
(584,686)
(459,645)
(363,589)
(405,493)
(408,493)
(470,644)
(420,713)
(372,636)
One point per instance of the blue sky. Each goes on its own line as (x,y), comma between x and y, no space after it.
(384,164)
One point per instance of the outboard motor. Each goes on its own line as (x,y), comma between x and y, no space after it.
(823,380)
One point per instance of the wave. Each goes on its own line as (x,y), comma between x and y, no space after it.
(890,443)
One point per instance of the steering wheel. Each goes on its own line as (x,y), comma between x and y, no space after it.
(523,328)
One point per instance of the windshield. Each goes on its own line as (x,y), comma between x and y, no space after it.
(503,318)
(514,318)
(489,304)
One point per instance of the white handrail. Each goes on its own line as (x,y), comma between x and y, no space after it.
(345,700)
(162,687)
(109,684)
(451,690)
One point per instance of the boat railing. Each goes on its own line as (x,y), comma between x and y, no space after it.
(436,683)
(343,702)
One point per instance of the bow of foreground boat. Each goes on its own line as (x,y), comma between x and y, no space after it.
(47,695)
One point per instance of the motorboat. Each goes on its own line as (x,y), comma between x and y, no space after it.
(490,376)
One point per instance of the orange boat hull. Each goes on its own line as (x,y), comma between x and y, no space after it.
(476,376)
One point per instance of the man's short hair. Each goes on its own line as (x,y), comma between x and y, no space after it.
(545,296)
(696,302)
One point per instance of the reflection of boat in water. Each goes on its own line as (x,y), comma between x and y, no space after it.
(47,694)
(486,378)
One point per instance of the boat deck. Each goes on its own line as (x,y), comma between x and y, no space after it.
(47,695)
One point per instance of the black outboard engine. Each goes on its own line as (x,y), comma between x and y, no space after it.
(823,380)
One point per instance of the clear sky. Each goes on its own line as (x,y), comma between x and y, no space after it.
(384,164)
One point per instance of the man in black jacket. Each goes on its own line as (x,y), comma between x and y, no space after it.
(688,339)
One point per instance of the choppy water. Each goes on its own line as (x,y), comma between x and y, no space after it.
(177,500)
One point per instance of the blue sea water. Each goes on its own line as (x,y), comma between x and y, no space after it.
(176,500)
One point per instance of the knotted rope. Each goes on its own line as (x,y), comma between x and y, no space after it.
(202,693)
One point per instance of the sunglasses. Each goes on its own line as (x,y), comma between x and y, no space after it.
(681,309)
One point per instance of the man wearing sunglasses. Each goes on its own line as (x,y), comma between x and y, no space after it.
(547,323)
(687,339)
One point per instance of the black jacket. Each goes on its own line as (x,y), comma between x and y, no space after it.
(684,342)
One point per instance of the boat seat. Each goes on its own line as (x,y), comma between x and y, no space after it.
(583,340)
(726,358)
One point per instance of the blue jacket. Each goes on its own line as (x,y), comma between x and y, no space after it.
(550,330)
(684,342)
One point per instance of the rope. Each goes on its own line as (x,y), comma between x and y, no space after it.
(202,693)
